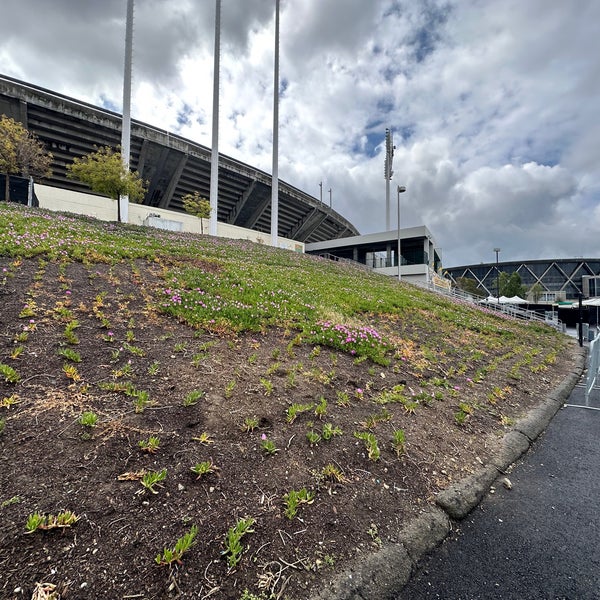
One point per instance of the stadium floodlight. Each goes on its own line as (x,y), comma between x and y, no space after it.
(275,174)
(214,152)
(388,172)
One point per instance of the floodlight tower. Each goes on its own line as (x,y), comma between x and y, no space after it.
(275,173)
(388,172)
(214,152)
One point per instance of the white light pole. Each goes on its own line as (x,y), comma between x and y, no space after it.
(214,153)
(330,198)
(388,172)
(275,176)
(123,201)
(497,251)
(401,189)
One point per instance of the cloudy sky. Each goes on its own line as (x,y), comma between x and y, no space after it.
(494,104)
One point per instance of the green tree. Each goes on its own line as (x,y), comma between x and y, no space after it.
(21,153)
(195,205)
(470,286)
(536,292)
(510,285)
(105,173)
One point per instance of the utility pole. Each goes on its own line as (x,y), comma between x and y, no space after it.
(275,176)
(214,153)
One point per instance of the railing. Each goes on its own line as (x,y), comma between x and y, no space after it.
(348,261)
(593,367)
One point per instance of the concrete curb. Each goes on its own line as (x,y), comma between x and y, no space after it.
(383,574)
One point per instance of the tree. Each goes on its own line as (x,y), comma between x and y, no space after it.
(536,292)
(510,285)
(470,286)
(106,174)
(195,205)
(21,153)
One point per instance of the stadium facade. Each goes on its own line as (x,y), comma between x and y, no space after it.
(172,165)
(559,279)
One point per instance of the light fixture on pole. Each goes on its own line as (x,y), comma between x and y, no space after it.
(330,199)
(214,151)
(497,251)
(401,189)
(321,191)
(388,172)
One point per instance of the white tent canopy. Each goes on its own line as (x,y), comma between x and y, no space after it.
(503,300)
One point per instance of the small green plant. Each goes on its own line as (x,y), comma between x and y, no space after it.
(229,388)
(398,441)
(71,372)
(142,400)
(313,437)
(321,407)
(294,498)
(151,445)
(204,438)
(372,420)
(10,501)
(460,417)
(343,399)
(267,385)
(69,332)
(370,443)
(22,337)
(252,358)
(16,352)
(154,368)
(63,519)
(204,468)
(88,419)
(268,446)
(295,409)
(2,425)
(329,431)
(193,397)
(136,350)
(70,354)
(333,473)
(180,347)
(9,401)
(250,424)
(9,374)
(233,540)
(182,545)
(152,479)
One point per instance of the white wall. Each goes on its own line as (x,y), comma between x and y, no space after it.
(105,209)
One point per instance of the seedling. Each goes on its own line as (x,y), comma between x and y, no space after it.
(10,401)
(294,498)
(321,408)
(152,479)
(268,446)
(151,445)
(329,430)
(233,540)
(71,372)
(295,409)
(182,545)
(372,420)
(250,424)
(70,354)
(16,352)
(193,397)
(9,374)
(69,333)
(153,368)
(142,400)
(313,438)
(63,519)
(267,385)
(460,417)
(204,438)
(370,444)
(204,468)
(333,473)
(88,419)
(343,399)
(398,441)
(229,389)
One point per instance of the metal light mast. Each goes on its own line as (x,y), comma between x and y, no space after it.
(123,201)
(275,176)
(214,153)
(388,172)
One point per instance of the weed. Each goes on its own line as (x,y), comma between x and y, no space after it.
(152,479)
(295,409)
(204,468)
(154,368)
(333,473)
(182,545)
(329,431)
(370,443)
(313,437)
(193,397)
(267,385)
(233,540)
(268,446)
(250,424)
(88,419)
(70,354)
(63,519)
(9,374)
(321,408)
(151,445)
(398,441)
(294,498)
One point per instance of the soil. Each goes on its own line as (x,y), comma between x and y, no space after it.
(53,463)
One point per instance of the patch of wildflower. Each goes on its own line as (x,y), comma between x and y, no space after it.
(356,340)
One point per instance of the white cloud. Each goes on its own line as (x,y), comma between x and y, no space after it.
(494,106)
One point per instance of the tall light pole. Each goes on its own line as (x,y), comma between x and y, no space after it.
(497,251)
(123,201)
(388,172)
(401,189)
(214,153)
(330,198)
(275,175)
(321,191)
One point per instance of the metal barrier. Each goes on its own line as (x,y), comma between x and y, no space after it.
(593,366)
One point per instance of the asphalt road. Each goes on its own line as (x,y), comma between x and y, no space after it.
(539,540)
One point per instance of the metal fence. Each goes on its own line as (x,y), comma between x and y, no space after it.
(593,367)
